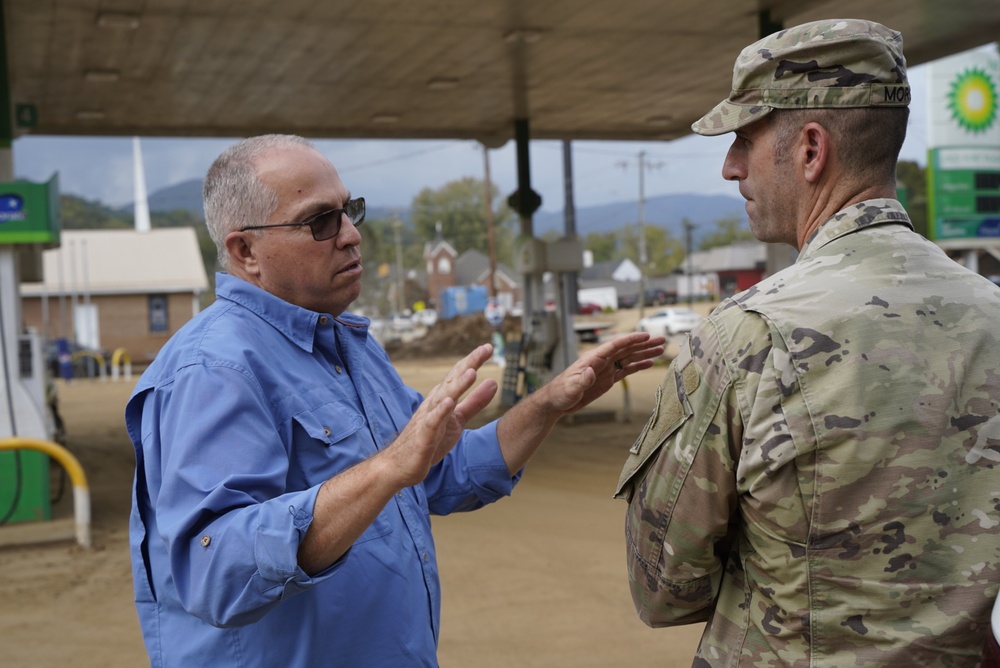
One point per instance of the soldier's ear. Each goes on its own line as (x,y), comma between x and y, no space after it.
(815,145)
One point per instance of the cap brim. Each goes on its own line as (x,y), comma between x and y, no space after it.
(727,117)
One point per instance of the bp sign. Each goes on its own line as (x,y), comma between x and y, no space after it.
(963,163)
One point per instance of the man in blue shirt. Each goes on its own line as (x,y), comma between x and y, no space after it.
(285,475)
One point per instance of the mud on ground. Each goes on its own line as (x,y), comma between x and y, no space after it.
(536,580)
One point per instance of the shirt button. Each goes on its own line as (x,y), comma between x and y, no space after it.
(326,430)
(338,369)
(206,541)
(427,557)
(323,320)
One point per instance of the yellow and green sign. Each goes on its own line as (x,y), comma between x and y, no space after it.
(963,162)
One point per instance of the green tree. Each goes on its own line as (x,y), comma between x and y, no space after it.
(77,213)
(603,245)
(664,252)
(378,252)
(460,209)
(912,178)
(729,230)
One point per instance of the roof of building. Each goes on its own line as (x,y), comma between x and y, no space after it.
(122,262)
(606,270)
(740,256)
(472,266)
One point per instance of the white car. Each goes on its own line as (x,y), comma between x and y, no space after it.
(668,322)
(426,317)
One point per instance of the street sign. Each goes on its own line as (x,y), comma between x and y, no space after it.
(495,313)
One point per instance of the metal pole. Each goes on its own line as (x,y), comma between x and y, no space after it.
(568,282)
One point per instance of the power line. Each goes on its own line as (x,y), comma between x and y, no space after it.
(399,157)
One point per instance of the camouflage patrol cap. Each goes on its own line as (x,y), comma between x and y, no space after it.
(836,63)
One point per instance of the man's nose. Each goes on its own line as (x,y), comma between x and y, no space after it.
(734,166)
(349,234)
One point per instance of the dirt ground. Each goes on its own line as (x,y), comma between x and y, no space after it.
(536,580)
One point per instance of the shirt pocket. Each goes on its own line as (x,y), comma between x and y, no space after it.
(671,409)
(325,447)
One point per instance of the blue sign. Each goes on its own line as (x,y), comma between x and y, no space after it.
(11,207)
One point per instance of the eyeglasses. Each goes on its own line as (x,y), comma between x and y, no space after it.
(326,225)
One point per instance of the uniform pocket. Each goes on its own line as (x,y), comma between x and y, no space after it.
(671,409)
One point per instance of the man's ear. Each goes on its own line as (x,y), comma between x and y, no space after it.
(242,256)
(815,150)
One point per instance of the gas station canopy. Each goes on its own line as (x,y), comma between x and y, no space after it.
(574,69)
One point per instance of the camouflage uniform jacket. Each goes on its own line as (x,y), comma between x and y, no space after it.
(817,479)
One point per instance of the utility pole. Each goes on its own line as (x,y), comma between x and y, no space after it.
(688,228)
(641,226)
(397,226)
(488,203)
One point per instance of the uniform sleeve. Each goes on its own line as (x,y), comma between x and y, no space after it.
(680,484)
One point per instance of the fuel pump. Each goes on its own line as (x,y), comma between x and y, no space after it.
(28,223)
(550,340)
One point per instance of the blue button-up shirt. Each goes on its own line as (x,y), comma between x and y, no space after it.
(243,415)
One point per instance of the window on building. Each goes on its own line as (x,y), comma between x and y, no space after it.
(158,313)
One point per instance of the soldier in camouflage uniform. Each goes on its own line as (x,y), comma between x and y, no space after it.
(818,479)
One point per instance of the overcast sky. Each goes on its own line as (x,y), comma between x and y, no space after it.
(391,173)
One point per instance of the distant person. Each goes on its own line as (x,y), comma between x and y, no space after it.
(819,480)
(285,475)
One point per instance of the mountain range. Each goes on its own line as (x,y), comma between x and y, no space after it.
(664,210)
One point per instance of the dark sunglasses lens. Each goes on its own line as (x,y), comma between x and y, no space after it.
(355,210)
(326,225)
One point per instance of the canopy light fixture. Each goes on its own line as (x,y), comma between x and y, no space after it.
(523,35)
(118,20)
(90,114)
(102,76)
(385,119)
(442,83)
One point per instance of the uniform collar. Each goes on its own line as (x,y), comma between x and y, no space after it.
(856,217)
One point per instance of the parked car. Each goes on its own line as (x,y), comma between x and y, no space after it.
(589,309)
(627,301)
(659,297)
(668,322)
(426,317)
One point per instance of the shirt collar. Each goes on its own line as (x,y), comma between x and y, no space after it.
(856,217)
(295,322)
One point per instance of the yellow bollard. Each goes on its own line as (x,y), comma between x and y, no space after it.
(120,358)
(81,491)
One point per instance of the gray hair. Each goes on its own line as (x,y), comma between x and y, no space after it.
(233,193)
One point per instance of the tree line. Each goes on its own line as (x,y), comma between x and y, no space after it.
(456,213)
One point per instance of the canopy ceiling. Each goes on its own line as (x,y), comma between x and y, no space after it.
(576,69)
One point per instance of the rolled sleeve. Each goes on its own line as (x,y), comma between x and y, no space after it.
(231,532)
(472,475)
